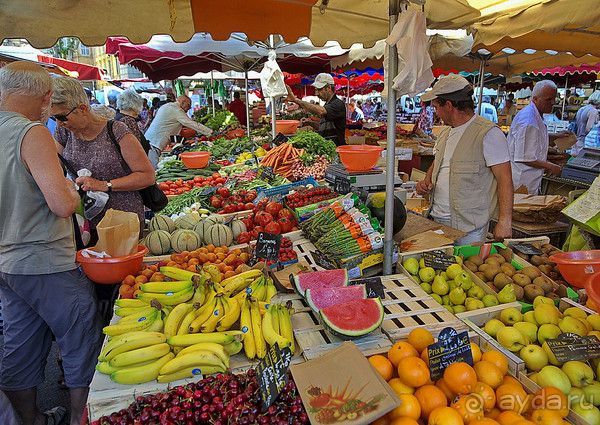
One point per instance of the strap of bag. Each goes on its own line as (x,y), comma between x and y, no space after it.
(111,135)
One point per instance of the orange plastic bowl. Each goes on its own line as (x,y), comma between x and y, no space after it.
(108,271)
(195,159)
(592,288)
(286,126)
(188,133)
(576,267)
(359,157)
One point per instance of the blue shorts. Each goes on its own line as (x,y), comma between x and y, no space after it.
(34,307)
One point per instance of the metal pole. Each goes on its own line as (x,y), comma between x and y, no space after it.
(212,92)
(348,89)
(562,114)
(390,168)
(247,103)
(481,81)
(273,112)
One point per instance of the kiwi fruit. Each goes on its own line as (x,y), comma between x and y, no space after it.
(475,260)
(506,253)
(531,291)
(499,258)
(523,256)
(483,267)
(531,271)
(537,260)
(508,269)
(480,275)
(546,269)
(543,283)
(501,280)
(519,292)
(492,261)
(491,272)
(471,266)
(546,248)
(553,296)
(521,280)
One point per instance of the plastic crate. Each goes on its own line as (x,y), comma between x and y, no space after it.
(277,193)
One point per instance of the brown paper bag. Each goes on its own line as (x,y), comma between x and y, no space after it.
(118,233)
(346,374)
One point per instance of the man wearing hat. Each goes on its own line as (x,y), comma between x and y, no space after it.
(470,179)
(333,114)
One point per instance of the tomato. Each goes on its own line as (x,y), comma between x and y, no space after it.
(251,195)
(286,213)
(273,227)
(249,206)
(224,192)
(243,237)
(216,175)
(262,204)
(263,218)
(229,209)
(286,224)
(273,208)
(220,181)
(163,186)
(248,222)
(216,202)
(258,229)
(198,179)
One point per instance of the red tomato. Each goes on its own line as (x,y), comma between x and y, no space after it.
(249,206)
(216,202)
(258,229)
(163,186)
(273,227)
(248,222)
(285,224)
(263,218)
(229,209)
(243,237)
(198,179)
(262,204)
(216,175)
(286,213)
(224,192)
(273,208)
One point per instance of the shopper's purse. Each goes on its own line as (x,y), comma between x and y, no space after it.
(154,199)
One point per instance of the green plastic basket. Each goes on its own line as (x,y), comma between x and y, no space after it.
(470,250)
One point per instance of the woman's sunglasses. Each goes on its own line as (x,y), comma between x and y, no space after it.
(63,117)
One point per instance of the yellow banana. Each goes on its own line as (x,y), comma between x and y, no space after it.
(140,355)
(180,274)
(105,368)
(246,328)
(191,339)
(184,327)
(196,358)
(271,290)
(130,303)
(121,328)
(259,341)
(271,337)
(231,315)
(274,309)
(135,340)
(202,315)
(164,287)
(174,318)
(200,294)
(133,313)
(170,298)
(115,341)
(240,281)
(211,323)
(158,325)
(189,372)
(260,291)
(233,347)
(285,325)
(213,347)
(140,374)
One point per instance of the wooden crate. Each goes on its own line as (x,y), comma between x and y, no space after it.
(303,248)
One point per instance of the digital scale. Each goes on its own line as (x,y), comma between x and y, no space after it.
(585,167)
(362,181)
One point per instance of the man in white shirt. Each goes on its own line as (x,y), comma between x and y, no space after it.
(528,140)
(488,111)
(585,120)
(167,122)
(470,178)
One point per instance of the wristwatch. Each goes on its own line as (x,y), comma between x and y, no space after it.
(108,186)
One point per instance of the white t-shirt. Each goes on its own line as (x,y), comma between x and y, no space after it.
(488,111)
(169,120)
(527,142)
(495,151)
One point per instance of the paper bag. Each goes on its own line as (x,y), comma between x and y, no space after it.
(343,382)
(538,209)
(118,233)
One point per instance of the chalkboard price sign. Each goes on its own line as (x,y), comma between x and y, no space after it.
(373,285)
(341,185)
(569,346)
(322,260)
(525,248)
(438,260)
(280,138)
(272,374)
(230,183)
(451,347)
(266,174)
(267,246)
(208,191)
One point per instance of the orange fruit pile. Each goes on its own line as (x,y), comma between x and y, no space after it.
(482,394)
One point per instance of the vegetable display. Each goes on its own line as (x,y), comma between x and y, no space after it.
(220,121)
(177,187)
(175,170)
(267,216)
(186,200)
(309,196)
(225,201)
(281,159)
(227,148)
(315,168)
(314,145)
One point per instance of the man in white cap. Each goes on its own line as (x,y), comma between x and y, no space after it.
(470,178)
(333,114)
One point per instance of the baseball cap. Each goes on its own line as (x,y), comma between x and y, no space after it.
(322,80)
(451,87)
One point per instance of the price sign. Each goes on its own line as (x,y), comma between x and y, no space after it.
(230,183)
(341,185)
(266,174)
(438,260)
(373,285)
(272,374)
(451,347)
(526,249)
(322,260)
(280,138)
(569,346)
(267,246)
(208,191)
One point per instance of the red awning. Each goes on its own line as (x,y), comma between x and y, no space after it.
(569,70)
(84,72)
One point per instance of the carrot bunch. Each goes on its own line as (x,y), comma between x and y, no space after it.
(281,159)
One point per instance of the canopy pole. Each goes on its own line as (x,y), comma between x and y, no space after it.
(247,103)
(212,91)
(390,168)
(481,81)
(348,89)
(273,112)
(562,114)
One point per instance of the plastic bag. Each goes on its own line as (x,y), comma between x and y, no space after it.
(271,78)
(93,202)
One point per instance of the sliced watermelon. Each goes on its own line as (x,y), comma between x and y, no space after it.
(322,279)
(353,319)
(326,297)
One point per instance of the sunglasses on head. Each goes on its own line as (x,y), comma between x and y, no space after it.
(63,117)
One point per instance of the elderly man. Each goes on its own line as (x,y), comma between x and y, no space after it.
(333,114)
(585,120)
(528,140)
(470,177)
(167,122)
(42,291)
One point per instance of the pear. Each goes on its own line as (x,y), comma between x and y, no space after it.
(542,300)
(473,304)
(476,292)
(457,296)
(510,316)
(572,325)
(426,274)
(548,331)
(530,317)
(551,357)
(422,263)
(453,270)
(511,339)
(459,309)
(490,300)
(579,373)
(437,298)
(507,295)
(411,265)
(592,393)
(546,313)
(594,320)
(575,312)
(440,286)
(426,287)
(552,376)
(492,327)
(527,329)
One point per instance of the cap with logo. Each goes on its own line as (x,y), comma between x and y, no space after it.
(323,79)
(451,87)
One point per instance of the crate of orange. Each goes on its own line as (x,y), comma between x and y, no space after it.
(483,394)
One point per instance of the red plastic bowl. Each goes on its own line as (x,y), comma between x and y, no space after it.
(188,133)
(359,157)
(195,159)
(286,126)
(592,288)
(108,271)
(576,267)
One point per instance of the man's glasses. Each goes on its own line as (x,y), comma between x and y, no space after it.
(63,117)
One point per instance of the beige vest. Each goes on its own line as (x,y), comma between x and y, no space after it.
(473,195)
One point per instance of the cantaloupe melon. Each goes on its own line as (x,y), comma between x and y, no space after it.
(158,242)
(201,228)
(185,240)
(161,222)
(219,235)
(187,222)
(237,227)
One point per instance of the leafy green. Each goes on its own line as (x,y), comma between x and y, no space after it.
(227,148)
(221,120)
(314,145)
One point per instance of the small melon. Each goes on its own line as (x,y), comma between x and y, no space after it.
(219,235)
(187,222)
(201,228)
(237,227)
(185,240)
(158,242)
(161,222)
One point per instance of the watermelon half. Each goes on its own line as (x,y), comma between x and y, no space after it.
(354,318)
(322,279)
(319,298)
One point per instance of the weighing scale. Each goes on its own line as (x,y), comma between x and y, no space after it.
(585,167)
(363,182)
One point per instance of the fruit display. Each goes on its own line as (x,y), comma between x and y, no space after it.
(287,254)
(353,319)
(309,196)
(179,186)
(225,201)
(267,216)
(542,261)
(482,394)
(453,288)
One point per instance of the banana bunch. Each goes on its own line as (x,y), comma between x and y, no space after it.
(167,293)
(261,288)
(277,326)
(179,274)
(239,283)
(251,326)
(145,318)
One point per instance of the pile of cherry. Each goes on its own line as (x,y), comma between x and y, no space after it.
(222,399)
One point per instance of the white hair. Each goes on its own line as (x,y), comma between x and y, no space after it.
(24,82)
(69,92)
(104,111)
(129,100)
(594,98)
(540,86)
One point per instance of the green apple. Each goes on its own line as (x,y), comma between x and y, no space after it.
(457,296)
(422,263)
(426,274)
(454,270)
(437,298)
(572,325)
(534,356)
(576,395)
(473,304)
(594,320)
(551,357)
(590,414)
(548,331)
(530,317)
(440,286)
(579,373)
(546,313)
(459,309)
(592,393)
(542,300)
(510,316)
(476,292)
(426,287)
(552,376)
(492,327)
(411,265)
(510,338)
(575,312)
(464,280)
(527,329)
(490,300)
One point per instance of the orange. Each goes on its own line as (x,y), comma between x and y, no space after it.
(413,372)
(425,356)
(445,416)
(547,417)
(430,397)
(510,380)
(475,352)
(511,397)
(441,384)
(460,377)
(420,338)
(498,359)
(399,387)
(383,366)
(488,373)
(493,414)
(409,407)
(551,398)
(484,421)
(381,421)
(508,418)
(470,407)
(523,422)
(401,350)
(487,395)
(404,421)
(126,291)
